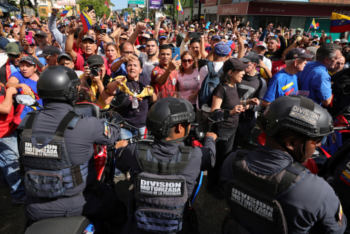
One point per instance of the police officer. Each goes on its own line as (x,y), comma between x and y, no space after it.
(268,190)
(57,153)
(165,173)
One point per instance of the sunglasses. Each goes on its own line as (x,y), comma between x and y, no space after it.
(128,52)
(14,56)
(187,60)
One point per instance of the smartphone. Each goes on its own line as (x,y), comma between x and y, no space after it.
(103,31)
(278,31)
(28,23)
(29,37)
(176,51)
(194,35)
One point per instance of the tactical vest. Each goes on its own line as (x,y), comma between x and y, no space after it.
(253,197)
(161,191)
(49,171)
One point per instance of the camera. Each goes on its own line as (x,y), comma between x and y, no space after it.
(95,70)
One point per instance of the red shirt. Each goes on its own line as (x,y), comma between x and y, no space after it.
(277,66)
(170,84)
(7,123)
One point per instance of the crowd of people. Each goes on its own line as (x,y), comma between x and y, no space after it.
(226,65)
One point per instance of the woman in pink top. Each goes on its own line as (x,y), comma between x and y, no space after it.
(112,53)
(188,79)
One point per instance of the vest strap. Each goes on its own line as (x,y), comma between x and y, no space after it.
(291,173)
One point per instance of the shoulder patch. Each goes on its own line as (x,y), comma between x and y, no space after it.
(107,130)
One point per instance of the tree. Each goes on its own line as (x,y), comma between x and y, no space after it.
(99,7)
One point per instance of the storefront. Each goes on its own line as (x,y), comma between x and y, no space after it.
(288,14)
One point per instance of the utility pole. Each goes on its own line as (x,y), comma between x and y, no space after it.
(147,5)
(199,10)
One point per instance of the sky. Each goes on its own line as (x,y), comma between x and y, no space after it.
(120,4)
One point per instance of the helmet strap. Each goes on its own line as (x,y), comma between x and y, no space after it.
(278,141)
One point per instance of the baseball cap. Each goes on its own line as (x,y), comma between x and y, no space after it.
(13,48)
(212,30)
(216,37)
(66,56)
(221,49)
(3,43)
(12,17)
(97,28)
(162,35)
(40,33)
(86,37)
(343,41)
(231,44)
(6,25)
(50,50)
(95,60)
(29,59)
(251,57)
(298,29)
(337,40)
(262,44)
(245,42)
(146,35)
(191,26)
(234,64)
(297,53)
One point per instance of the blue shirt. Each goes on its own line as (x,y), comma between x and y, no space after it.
(316,80)
(32,85)
(121,71)
(281,84)
(42,60)
(14,68)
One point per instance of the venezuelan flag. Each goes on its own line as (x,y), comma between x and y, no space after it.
(340,23)
(86,21)
(288,89)
(314,24)
(65,11)
(179,7)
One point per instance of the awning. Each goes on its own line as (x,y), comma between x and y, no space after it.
(4,9)
(9,7)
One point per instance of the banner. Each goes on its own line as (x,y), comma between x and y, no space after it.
(136,2)
(66,2)
(78,9)
(155,4)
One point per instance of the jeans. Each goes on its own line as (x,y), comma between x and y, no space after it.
(128,133)
(9,165)
(223,149)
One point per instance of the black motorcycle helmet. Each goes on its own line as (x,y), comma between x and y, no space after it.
(58,83)
(296,113)
(166,113)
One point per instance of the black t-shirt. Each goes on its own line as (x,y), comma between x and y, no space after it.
(229,102)
(202,63)
(136,117)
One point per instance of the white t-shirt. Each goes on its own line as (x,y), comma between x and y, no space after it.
(204,72)
(187,84)
(79,73)
(268,63)
(3,59)
(148,65)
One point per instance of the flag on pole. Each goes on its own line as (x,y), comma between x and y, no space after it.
(340,23)
(179,7)
(86,21)
(106,4)
(314,24)
(65,11)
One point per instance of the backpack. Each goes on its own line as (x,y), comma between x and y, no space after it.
(205,95)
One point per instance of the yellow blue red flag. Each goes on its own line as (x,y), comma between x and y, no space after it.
(340,23)
(179,7)
(65,11)
(86,21)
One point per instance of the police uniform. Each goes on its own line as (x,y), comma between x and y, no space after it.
(198,159)
(340,182)
(72,154)
(310,202)
(268,190)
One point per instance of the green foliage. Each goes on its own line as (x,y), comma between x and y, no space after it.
(42,18)
(13,3)
(99,7)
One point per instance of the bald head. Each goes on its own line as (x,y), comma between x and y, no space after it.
(127,48)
